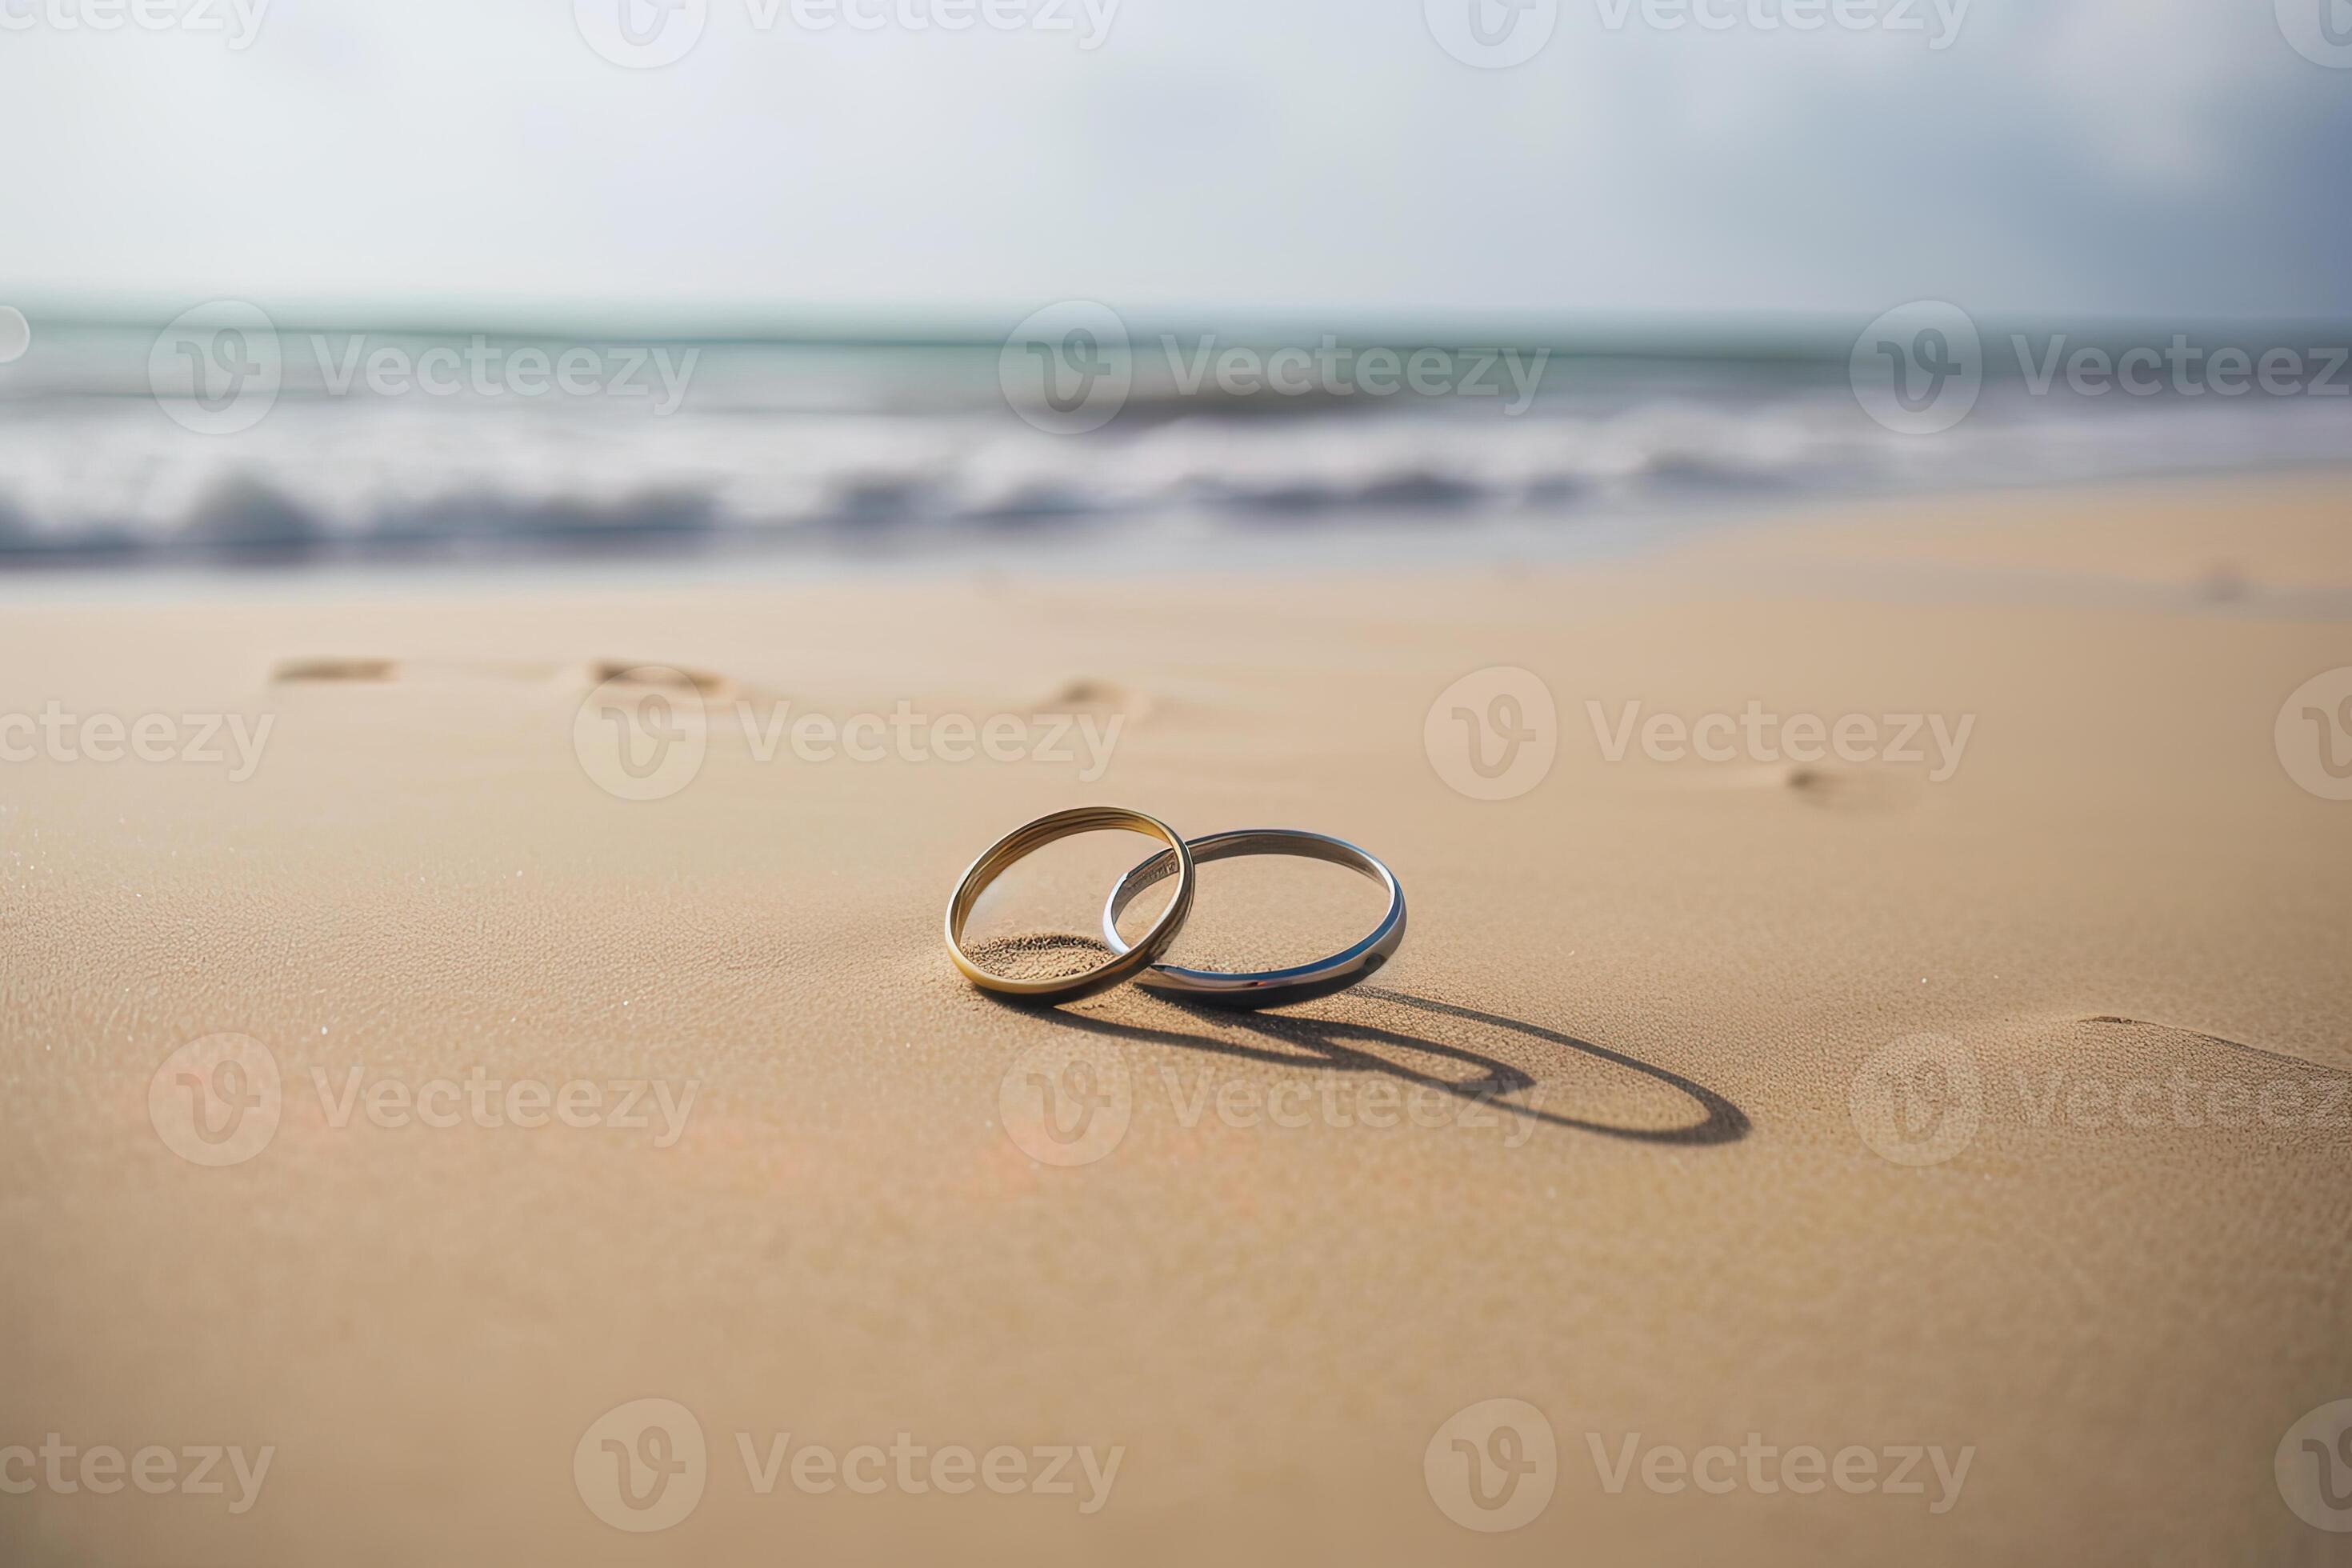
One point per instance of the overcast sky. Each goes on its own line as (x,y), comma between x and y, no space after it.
(1327,161)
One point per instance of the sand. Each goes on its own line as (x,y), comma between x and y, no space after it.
(1997,1118)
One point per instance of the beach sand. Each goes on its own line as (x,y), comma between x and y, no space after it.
(2090,1227)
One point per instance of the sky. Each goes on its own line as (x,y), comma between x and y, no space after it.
(1331,164)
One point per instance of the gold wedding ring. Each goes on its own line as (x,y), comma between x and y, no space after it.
(1027,841)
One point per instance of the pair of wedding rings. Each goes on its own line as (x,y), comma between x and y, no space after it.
(1140,962)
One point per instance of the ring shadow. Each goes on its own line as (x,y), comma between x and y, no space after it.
(1723,1123)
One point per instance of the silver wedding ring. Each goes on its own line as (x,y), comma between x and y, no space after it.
(1271,987)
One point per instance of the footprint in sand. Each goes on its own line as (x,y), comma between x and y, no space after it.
(703,683)
(1827,786)
(1851,789)
(369,670)
(305,672)
(1102,699)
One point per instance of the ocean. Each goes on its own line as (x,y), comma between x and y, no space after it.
(253,445)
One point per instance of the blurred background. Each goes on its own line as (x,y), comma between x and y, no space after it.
(462,281)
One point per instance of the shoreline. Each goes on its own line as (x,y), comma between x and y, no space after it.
(1113,548)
